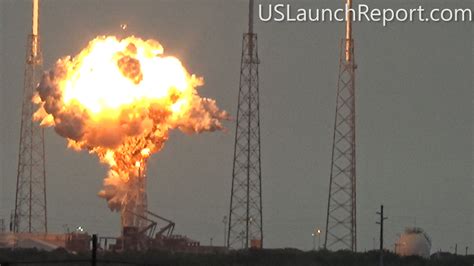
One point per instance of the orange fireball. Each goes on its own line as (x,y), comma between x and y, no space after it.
(119,99)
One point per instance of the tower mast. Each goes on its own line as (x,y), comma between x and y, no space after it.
(348,42)
(341,226)
(30,198)
(245,214)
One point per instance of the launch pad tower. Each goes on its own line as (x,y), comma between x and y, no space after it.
(134,213)
(245,216)
(341,213)
(30,214)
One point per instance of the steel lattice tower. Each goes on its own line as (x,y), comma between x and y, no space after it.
(134,212)
(245,215)
(341,213)
(30,200)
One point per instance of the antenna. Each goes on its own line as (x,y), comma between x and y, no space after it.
(34,27)
(348,30)
(251,16)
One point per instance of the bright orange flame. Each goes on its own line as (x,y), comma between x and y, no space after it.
(118,99)
(127,71)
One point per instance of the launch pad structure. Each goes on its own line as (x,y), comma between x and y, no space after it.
(135,210)
(245,227)
(341,225)
(30,212)
(156,233)
(141,228)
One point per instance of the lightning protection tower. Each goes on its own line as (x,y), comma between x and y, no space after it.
(341,213)
(245,215)
(30,201)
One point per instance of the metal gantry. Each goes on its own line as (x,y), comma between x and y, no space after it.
(30,213)
(341,226)
(135,207)
(245,215)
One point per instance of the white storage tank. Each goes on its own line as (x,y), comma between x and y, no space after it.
(414,241)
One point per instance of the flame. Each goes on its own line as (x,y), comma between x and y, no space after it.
(118,99)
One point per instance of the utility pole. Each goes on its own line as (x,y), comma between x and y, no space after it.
(382,218)
(318,231)
(94,250)
(11,221)
(224,221)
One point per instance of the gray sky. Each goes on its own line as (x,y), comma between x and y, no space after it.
(414,119)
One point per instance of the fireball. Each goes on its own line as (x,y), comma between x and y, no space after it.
(119,99)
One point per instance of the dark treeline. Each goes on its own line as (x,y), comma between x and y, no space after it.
(275,257)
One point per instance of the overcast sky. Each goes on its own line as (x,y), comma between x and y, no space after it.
(414,119)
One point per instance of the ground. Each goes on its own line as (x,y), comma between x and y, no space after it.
(274,257)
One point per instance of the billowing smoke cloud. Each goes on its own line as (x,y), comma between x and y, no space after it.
(119,99)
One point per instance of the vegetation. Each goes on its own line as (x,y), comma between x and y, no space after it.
(267,257)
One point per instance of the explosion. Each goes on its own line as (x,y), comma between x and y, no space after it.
(118,99)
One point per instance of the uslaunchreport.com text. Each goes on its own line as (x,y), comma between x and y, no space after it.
(360,13)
